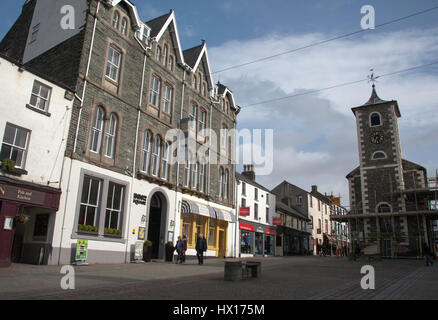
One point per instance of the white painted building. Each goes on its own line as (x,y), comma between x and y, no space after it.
(33,130)
(256,206)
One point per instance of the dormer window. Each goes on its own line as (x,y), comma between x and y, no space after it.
(124,28)
(375,120)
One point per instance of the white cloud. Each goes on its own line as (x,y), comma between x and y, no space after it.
(315,135)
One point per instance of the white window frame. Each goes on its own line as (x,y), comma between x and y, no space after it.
(193,116)
(39,97)
(195,176)
(155,91)
(14,146)
(156,155)
(113,64)
(147,143)
(165,161)
(167,99)
(110,136)
(124,26)
(88,204)
(116,19)
(97,130)
(111,209)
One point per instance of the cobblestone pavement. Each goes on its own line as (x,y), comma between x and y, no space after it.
(287,278)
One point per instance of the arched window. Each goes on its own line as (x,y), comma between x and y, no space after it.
(116,18)
(227,106)
(165,55)
(187,170)
(226,177)
(195,175)
(202,119)
(384,208)
(158,54)
(202,177)
(199,82)
(156,156)
(146,151)
(221,181)
(110,136)
(165,161)
(170,64)
(99,120)
(124,28)
(375,119)
(224,135)
(379,155)
(193,116)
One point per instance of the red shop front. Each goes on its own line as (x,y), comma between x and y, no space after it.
(20,199)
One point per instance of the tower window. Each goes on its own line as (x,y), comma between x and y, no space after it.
(379,155)
(375,120)
(384,208)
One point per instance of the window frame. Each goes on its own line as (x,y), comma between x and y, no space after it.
(13,146)
(99,130)
(375,113)
(39,97)
(111,136)
(154,92)
(168,101)
(110,65)
(146,153)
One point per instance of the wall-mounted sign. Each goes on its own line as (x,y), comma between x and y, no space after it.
(277,221)
(140,199)
(246,226)
(138,255)
(22,195)
(9,224)
(271,232)
(141,233)
(244,211)
(260,230)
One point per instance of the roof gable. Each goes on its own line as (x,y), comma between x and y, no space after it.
(132,11)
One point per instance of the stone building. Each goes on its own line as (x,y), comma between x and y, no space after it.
(390,199)
(133,86)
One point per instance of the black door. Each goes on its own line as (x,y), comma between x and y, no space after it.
(155,221)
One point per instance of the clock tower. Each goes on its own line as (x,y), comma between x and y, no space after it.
(381,172)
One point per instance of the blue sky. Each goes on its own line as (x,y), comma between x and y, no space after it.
(314,136)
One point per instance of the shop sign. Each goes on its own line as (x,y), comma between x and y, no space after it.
(260,230)
(244,211)
(82,250)
(140,199)
(277,221)
(271,232)
(246,226)
(22,195)
(141,233)
(9,224)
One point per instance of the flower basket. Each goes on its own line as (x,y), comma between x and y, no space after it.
(8,165)
(22,218)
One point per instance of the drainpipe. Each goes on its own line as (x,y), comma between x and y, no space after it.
(77,129)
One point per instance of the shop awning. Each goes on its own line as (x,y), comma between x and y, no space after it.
(225,216)
(207,211)
(197,208)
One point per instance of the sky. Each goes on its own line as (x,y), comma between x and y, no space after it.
(315,140)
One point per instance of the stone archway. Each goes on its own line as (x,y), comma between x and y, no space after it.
(157,224)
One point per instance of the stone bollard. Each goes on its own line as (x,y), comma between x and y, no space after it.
(233,271)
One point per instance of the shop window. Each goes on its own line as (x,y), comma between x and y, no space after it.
(246,242)
(15,145)
(186,228)
(212,233)
(200,226)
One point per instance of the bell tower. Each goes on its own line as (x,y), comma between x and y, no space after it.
(380,157)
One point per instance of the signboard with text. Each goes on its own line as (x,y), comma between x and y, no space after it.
(277,221)
(82,250)
(244,211)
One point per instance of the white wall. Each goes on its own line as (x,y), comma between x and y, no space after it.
(46,145)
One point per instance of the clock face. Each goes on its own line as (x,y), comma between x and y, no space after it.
(377,137)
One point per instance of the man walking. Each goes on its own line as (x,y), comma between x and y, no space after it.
(201,246)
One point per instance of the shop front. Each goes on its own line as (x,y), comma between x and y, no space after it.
(256,240)
(199,218)
(295,242)
(27,216)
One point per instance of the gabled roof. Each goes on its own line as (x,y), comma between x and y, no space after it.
(193,58)
(355,172)
(160,25)
(245,179)
(223,91)
(132,10)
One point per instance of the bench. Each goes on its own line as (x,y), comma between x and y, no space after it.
(239,270)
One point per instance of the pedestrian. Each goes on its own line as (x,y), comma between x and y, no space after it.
(201,246)
(180,250)
(185,247)
(427,254)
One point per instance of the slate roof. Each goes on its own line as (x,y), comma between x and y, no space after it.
(191,55)
(157,24)
(243,178)
(288,210)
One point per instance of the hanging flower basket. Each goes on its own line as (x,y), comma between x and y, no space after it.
(22,218)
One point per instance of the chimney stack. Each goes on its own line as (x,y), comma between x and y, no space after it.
(314,189)
(248,171)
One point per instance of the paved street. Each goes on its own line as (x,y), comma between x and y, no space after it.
(282,278)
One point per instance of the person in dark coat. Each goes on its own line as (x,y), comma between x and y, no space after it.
(181,248)
(201,246)
(427,255)
(185,246)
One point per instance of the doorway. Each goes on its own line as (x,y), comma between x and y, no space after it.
(222,244)
(385,248)
(157,225)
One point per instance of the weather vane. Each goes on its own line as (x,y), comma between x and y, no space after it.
(372,78)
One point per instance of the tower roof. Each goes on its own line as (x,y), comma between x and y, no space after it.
(374,99)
